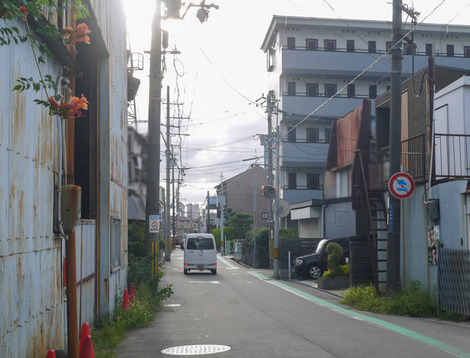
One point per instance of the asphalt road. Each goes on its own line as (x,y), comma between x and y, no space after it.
(248,314)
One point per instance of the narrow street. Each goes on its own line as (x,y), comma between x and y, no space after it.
(242,312)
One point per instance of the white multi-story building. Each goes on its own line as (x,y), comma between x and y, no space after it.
(320,69)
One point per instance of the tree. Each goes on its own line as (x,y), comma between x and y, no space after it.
(228,214)
(241,223)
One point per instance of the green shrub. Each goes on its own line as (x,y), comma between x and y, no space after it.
(343,272)
(228,233)
(262,236)
(335,254)
(411,301)
(286,233)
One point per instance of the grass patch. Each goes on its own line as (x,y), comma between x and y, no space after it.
(149,298)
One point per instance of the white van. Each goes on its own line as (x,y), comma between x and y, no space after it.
(200,253)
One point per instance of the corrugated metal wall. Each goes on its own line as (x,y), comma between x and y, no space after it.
(30,257)
(85,236)
(110,17)
(32,305)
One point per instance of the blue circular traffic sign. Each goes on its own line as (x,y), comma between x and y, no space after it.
(401,185)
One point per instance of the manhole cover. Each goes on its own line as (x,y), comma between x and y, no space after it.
(195,350)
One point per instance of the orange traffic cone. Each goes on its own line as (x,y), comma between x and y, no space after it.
(125,300)
(50,354)
(87,351)
(131,292)
(83,334)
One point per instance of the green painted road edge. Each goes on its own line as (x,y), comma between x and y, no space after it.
(393,327)
(225,261)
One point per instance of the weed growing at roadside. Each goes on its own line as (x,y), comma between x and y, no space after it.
(148,300)
(411,301)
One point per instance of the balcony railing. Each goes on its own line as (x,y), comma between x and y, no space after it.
(452,156)
(380,52)
(413,161)
(324,95)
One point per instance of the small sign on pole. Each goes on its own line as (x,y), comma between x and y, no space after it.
(154,224)
(401,185)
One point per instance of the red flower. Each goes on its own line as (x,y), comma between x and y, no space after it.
(53,102)
(80,34)
(68,110)
(24,11)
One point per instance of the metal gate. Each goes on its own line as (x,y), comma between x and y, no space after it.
(454,280)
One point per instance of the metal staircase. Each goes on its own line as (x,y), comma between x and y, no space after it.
(371,203)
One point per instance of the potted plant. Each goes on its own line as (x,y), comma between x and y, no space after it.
(337,275)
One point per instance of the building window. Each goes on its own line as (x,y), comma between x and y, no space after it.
(372,46)
(312,135)
(291,136)
(291,88)
(264,215)
(450,50)
(270,60)
(350,45)
(428,49)
(330,45)
(292,181)
(115,243)
(388,46)
(351,90)
(466,51)
(312,89)
(330,90)
(327,135)
(291,43)
(372,91)
(311,44)
(313,181)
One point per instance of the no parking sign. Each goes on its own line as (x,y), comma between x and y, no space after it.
(401,185)
(154,224)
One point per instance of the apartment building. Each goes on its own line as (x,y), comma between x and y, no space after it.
(320,69)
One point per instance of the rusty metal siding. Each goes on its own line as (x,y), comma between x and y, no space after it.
(86,267)
(113,147)
(30,257)
(115,38)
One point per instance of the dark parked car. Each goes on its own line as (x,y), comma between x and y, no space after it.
(313,265)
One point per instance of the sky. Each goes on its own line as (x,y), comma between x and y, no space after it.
(220,74)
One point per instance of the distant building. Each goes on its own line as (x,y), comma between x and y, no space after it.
(243,191)
(312,63)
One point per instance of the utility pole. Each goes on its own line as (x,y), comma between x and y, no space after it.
(276,208)
(269,105)
(153,148)
(175,202)
(207,213)
(393,236)
(254,219)
(222,204)
(168,192)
